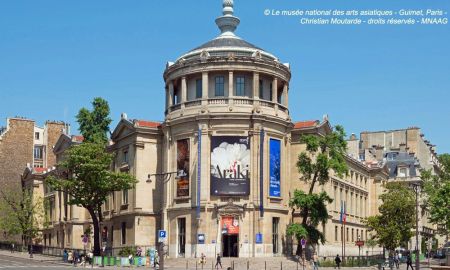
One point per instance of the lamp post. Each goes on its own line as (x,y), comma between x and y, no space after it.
(416,188)
(165,177)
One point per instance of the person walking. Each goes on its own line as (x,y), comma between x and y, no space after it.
(396,260)
(203,260)
(218,261)
(70,257)
(315,260)
(409,261)
(12,247)
(338,261)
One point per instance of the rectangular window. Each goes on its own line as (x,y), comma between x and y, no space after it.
(181,236)
(112,235)
(335,233)
(38,152)
(124,196)
(45,240)
(347,234)
(219,89)
(198,88)
(124,233)
(261,89)
(36,135)
(125,156)
(353,237)
(270,92)
(335,198)
(240,86)
(275,223)
(50,239)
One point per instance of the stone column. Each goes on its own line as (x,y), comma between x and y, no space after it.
(286,95)
(170,94)
(183,91)
(274,90)
(255,85)
(230,84)
(205,91)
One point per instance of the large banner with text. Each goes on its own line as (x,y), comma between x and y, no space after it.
(183,168)
(274,168)
(230,166)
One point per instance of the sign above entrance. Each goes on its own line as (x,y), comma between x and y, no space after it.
(259,239)
(230,166)
(230,225)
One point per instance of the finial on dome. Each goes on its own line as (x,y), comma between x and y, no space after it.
(227,23)
(227,7)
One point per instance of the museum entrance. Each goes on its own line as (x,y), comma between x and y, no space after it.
(230,245)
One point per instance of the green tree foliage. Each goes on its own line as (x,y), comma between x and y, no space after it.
(437,188)
(94,125)
(85,173)
(86,177)
(21,214)
(393,225)
(371,243)
(323,154)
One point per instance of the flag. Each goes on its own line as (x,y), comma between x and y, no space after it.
(344,215)
(341,216)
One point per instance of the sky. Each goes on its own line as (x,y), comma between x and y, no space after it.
(56,56)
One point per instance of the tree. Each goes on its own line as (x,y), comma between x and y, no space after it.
(21,213)
(437,188)
(85,173)
(94,125)
(323,154)
(393,225)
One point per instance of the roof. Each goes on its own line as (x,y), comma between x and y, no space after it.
(226,42)
(149,124)
(77,138)
(306,124)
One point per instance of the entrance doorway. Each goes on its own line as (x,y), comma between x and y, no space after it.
(230,245)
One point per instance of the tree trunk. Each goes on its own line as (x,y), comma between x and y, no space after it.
(96,225)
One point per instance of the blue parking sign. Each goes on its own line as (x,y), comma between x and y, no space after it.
(162,235)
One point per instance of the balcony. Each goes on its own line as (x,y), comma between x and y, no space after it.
(223,105)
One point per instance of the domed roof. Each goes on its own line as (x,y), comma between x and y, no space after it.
(227,42)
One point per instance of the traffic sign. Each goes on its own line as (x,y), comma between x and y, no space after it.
(359,243)
(162,235)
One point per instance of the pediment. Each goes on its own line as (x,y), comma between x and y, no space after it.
(123,129)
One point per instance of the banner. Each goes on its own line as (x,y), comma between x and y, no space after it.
(230,166)
(230,225)
(274,168)
(183,168)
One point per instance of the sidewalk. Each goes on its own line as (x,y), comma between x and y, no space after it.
(36,257)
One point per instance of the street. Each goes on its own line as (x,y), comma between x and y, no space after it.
(8,262)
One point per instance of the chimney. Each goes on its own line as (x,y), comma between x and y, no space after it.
(353,137)
(402,147)
(379,152)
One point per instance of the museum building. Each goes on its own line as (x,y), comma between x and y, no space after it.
(218,173)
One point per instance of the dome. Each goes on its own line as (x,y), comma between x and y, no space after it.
(227,43)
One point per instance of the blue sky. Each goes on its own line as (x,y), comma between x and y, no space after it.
(56,56)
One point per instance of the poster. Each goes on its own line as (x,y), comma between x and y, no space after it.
(274,168)
(230,225)
(183,168)
(230,166)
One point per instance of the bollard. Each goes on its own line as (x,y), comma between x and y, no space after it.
(265,266)
(248,264)
(195,264)
(297,265)
(187,264)
(212,264)
(281,265)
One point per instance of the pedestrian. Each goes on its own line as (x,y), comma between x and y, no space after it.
(202,260)
(90,257)
(70,257)
(65,255)
(139,252)
(76,256)
(218,261)
(315,259)
(83,260)
(12,247)
(338,261)
(130,259)
(156,259)
(396,260)
(409,261)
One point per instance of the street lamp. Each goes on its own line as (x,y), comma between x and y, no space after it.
(165,178)
(416,188)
